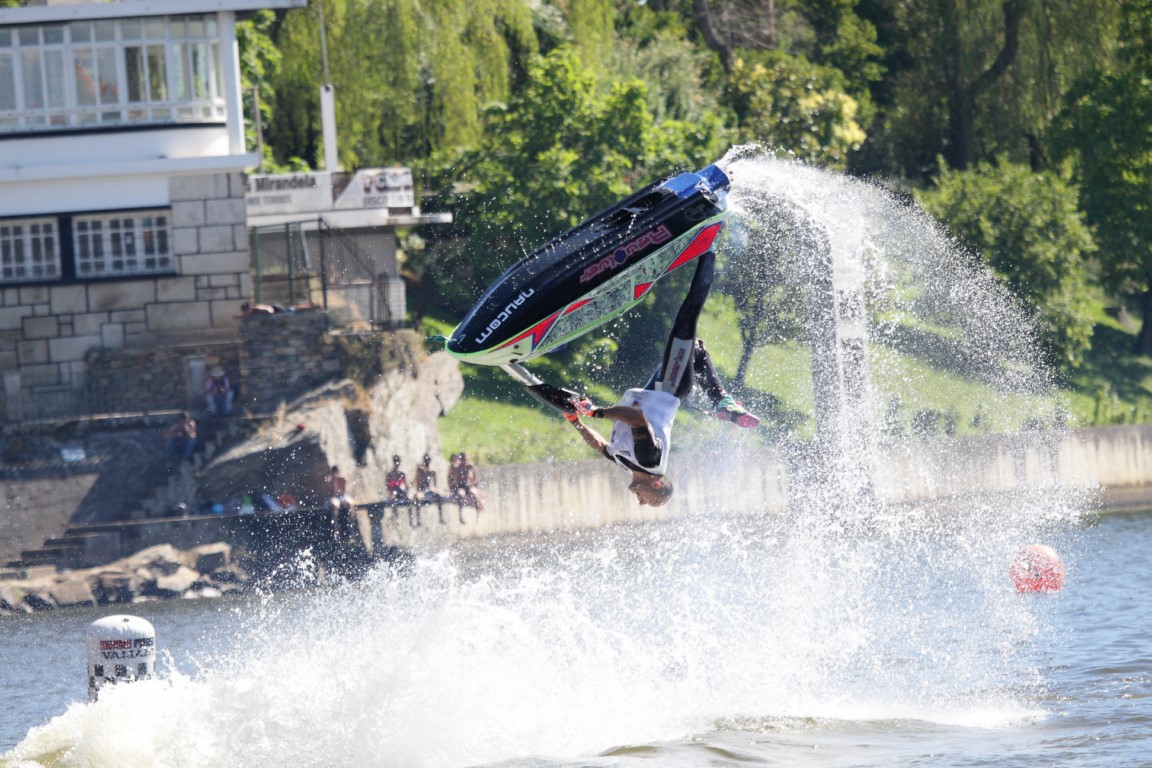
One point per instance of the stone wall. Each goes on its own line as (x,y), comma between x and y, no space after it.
(289,353)
(210,240)
(284,356)
(1104,468)
(165,378)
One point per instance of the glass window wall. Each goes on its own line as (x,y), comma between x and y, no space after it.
(109,72)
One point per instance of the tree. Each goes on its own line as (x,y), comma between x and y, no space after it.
(564,149)
(411,76)
(828,33)
(1027,226)
(789,103)
(259,64)
(975,79)
(1106,130)
(763,276)
(677,74)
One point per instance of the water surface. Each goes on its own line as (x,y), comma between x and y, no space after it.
(718,641)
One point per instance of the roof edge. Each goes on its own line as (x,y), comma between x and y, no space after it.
(122,9)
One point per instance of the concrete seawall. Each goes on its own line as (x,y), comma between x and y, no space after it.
(1108,468)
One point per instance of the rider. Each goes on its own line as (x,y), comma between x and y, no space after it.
(643,420)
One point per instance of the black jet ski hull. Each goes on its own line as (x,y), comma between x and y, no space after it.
(595,271)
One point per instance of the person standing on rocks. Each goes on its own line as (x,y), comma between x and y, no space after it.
(180,439)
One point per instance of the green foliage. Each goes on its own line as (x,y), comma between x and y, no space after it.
(562,149)
(946,93)
(655,49)
(411,76)
(847,43)
(787,102)
(1027,227)
(592,29)
(1106,128)
(259,64)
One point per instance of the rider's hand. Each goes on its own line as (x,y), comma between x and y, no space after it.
(584,407)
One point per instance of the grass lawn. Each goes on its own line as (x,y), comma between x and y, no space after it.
(495,422)
(1112,386)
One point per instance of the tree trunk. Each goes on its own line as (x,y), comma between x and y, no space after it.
(711,36)
(1144,337)
(964,96)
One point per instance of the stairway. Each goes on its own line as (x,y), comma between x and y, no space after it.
(178,486)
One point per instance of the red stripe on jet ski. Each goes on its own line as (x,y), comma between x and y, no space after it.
(640,290)
(701,243)
(536,332)
(576,305)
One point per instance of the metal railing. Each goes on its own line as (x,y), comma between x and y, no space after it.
(312,261)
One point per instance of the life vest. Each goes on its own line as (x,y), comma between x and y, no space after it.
(660,410)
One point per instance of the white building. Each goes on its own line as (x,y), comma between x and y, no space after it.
(123,221)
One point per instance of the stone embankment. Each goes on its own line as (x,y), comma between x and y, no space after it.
(158,572)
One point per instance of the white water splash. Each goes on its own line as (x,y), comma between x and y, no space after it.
(568,647)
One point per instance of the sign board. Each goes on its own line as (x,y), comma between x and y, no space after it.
(311,193)
(308,193)
(379,188)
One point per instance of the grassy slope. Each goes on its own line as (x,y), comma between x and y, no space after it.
(496,423)
(1113,386)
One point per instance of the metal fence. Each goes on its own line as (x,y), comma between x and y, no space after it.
(313,262)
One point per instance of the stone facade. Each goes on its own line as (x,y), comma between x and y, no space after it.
(50,333)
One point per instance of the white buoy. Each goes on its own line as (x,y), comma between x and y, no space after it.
(121,649)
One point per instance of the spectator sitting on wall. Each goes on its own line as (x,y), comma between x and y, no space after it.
(341,506)
(218,393)
(180,439)
(455,477)
(426,492)
(397,483)
(469,489)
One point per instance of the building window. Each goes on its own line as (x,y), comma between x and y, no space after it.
(110,72)
(29,250)
(117,244)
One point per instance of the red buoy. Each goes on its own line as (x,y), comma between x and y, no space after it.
(1037,568)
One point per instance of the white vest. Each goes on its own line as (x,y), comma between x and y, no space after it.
(660,410)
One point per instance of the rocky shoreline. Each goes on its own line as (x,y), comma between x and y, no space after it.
(156,573)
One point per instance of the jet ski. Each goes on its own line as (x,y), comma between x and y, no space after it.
(594,272)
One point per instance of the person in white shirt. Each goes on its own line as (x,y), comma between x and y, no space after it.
(642,422)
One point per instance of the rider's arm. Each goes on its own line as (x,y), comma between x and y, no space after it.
(592,438)
(633,417)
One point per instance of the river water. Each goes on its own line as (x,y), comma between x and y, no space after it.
(703,642)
